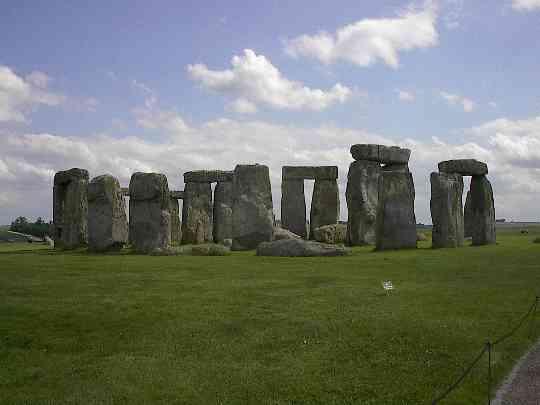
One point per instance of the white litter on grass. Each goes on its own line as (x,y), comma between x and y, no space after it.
(387,285)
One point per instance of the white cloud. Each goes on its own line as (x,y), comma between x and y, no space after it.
(525,5)
(28,161)
(492,104)
(455,99)
(242,106)
(404,95)
(253,80)
(19,95)
(367,41)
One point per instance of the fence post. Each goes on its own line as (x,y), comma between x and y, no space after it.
(489,347)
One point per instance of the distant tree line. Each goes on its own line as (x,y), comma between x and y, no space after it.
(40,228)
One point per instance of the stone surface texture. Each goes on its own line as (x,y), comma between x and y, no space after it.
(280,233)
(208,176)
(324,205)
(309,172)
(467,216)
(482,212)
(176,225)
(380,153)
(107,220)
(396,221)
(331,234)
(300,248)
(149,215)
(223,211)
(465,167)
(362,196)
(293,207)
(447,210)
(70,208)
(197,213)
(253,218)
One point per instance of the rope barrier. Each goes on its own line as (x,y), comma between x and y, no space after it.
(488,347)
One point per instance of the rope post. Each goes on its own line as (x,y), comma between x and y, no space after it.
(489,347)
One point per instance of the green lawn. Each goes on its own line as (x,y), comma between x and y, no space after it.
(121,328)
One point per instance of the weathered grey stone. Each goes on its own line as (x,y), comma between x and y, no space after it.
(176,225)
(107,220)
(396,167)
(467,216)
(483,212)
(380,153)
(70,208)
(332,234)
(253,218)
(421,237)
(177,194)
(396,222)
(447,210)
(300,248)
(293,207)
(208,176)
(197,213)
(324,205)
(309,173)
(149,215)
(362,198)
(223,211)
(125,191)
(465,167)
(280,234)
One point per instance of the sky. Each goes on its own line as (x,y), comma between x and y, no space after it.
(168,86)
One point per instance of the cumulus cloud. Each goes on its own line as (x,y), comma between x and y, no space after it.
(28,161)
(19,95)
(455,99)
(404,95)
(253,80)
(526,5)
(368,41)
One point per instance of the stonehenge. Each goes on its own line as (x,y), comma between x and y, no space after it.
(324,203)
(107,220)
(380,197)
(149,212)
(222,211)
(70,208)
(252,213)
(451,223)
(446,212)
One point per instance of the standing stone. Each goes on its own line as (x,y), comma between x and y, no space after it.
(446,209)
(396,222)
(253,218)
(467,216)
(149,215)
(324,205)
(197,213)
(483,211)
(362,198)
(293,207)
(176,232)
(223,211)
(70,208)
(107,220)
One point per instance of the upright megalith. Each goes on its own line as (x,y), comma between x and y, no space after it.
(446,209)
(324,204)
(253,218)
(482,211)
(362,198)
(174,208)
(396,222)
(197,213)
(223,211)
(70,208)
(107,221)
(293,206)
(149,212)
(467,216)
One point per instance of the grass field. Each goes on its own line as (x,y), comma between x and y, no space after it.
(122,328)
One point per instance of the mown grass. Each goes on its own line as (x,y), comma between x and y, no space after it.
(121,328)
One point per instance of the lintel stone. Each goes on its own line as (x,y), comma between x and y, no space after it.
(309,172)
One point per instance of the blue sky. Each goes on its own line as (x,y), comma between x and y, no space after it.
(145,86)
